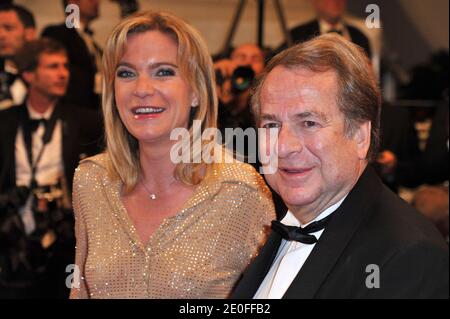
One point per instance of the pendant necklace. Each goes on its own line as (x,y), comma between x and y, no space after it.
(150,194)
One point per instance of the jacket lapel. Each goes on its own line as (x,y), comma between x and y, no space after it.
(348,217)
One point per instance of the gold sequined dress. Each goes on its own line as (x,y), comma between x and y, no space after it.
(198,253)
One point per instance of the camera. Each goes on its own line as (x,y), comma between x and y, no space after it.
(241,79)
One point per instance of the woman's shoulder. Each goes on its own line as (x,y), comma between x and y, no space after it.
(93,167)
(239,172)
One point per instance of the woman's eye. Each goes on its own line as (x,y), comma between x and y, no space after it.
(165,72)
(124,74)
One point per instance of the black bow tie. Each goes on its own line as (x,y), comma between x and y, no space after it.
(336,31)
(302,235)
(34,123)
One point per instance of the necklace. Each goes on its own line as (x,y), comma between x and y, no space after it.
(150,194)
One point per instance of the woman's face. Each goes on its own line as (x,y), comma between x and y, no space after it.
(151,95)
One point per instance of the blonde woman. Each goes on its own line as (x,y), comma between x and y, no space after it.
(147,227)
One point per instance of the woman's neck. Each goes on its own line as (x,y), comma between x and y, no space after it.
(158,170)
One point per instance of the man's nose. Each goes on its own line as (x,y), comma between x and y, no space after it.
(289,142)
(63,71)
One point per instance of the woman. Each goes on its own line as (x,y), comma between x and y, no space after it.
(147,227)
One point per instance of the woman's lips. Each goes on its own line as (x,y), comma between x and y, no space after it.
(147,112)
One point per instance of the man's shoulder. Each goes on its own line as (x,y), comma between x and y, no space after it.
(10,116)
(54,28)
(401,225)
(305,31)
(60,32)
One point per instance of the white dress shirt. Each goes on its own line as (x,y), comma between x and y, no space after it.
(50,167)
(18,89)
(325,27)
(290,259)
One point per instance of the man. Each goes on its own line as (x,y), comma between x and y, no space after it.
(41,143)
(17,26)
(361,240)
(235,101)
(330,18)
(84,55)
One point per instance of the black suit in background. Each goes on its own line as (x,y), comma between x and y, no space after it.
(434,163)
(81,134)
(311,29)
(82,66)
(81,130)
(399,136)
(372,226)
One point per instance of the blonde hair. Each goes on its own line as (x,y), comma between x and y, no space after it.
(196,67)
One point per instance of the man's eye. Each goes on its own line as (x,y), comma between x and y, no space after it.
(309,124)
(124,74)
(165,72)
(271,125)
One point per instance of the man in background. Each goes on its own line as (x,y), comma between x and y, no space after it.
(17,26)
(84,55)
(41,142)
(330,18)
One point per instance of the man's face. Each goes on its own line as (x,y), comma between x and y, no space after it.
(88,8)
(317,162)
(12,33)
(51,75)
(249,55)
(330,10)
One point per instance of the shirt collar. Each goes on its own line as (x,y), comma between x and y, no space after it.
(325,26)
(36,115)
(291,220)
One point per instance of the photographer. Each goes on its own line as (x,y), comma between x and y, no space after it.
(234,78)
(41,142)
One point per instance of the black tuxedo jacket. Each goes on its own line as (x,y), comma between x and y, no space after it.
(81,131)
(371,227)
(311,29)
(82,66)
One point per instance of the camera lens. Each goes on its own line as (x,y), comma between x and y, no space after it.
(242,79)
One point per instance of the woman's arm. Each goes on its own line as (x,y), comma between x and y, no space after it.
(79,289)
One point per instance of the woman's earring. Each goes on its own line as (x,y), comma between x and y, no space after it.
(195,103)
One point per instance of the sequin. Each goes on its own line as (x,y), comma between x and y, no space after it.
(198,253)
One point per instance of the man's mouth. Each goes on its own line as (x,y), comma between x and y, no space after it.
(295,171)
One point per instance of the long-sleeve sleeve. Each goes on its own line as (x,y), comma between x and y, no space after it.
(80,292)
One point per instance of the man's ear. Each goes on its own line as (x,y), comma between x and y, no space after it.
(362,137)
(30,34)
(28,76)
